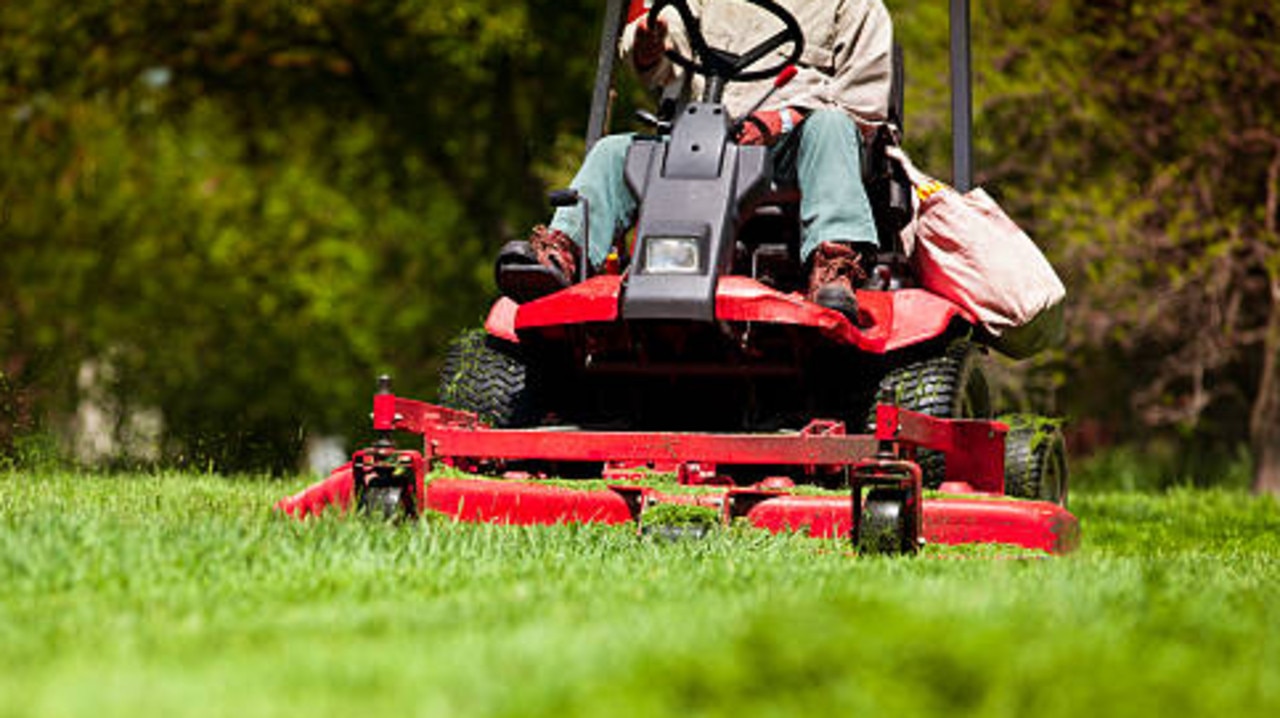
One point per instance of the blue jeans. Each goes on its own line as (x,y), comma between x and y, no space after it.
(826,162)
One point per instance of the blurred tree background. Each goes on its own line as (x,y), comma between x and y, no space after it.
(235,214)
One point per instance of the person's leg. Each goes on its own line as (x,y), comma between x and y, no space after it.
(838,233)
(828,166)
(548,261)
(601,181)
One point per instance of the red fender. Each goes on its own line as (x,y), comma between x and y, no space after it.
(902,318)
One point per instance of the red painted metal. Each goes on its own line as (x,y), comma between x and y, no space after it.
(627,471)
(823,427)
(595,300)
(335,491)
(696,474)
(1030,524)
(450,433)
(974,448)
(1037,525)
(419,417)
(636,10)
(974,451)
(384,412)
(519,503)
(916,316)
(501,321)
(900,318)
(717,449)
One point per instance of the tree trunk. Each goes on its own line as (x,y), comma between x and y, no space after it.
(1264,420)
(7,418)
(12,409)
(1266,467)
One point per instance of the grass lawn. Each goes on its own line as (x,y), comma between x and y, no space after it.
(185,595)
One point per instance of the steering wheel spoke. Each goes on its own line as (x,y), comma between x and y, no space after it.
(717,63)
(760,51)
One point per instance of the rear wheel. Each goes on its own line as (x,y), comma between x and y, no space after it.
(1035,459)
(947,386)
(491,378)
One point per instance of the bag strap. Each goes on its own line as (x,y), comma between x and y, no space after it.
(923,183)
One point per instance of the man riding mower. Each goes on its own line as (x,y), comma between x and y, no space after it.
(816,125)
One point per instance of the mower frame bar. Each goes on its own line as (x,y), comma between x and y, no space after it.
(974,449)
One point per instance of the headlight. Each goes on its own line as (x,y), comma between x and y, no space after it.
(671,255)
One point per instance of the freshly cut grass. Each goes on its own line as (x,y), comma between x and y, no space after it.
(186,595)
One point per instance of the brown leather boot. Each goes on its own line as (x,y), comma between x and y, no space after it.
(546,263)
(556,250)
(836,270)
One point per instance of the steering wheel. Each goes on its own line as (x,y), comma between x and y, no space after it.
(728,66)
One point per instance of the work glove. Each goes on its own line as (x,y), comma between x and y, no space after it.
(649,44)
(768,126)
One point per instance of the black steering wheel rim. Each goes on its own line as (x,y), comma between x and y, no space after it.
(718,63)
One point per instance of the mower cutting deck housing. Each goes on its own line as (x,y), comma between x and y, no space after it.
(884,511)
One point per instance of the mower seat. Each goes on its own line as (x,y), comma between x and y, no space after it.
(521,276)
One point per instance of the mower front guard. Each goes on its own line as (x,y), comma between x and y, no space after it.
(973,509)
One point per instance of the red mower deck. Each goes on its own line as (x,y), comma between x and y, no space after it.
(974,511)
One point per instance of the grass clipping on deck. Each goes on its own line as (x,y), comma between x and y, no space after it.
(683,515)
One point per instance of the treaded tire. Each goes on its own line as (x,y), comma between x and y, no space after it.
(1035,459)
(884,523)
(950,385)
(489,377)
(385,503)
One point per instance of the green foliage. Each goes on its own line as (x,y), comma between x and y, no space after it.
(153,594)
(1138,141)
(1162,465)
(247,210)
(35,451)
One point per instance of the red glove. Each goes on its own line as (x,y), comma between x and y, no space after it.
(649,44)
(767,126)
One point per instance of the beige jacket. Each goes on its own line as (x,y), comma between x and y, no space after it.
(846,64)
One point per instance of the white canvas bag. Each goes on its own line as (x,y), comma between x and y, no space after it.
(965,248)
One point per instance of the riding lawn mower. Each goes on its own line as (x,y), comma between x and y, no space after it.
(690,370)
